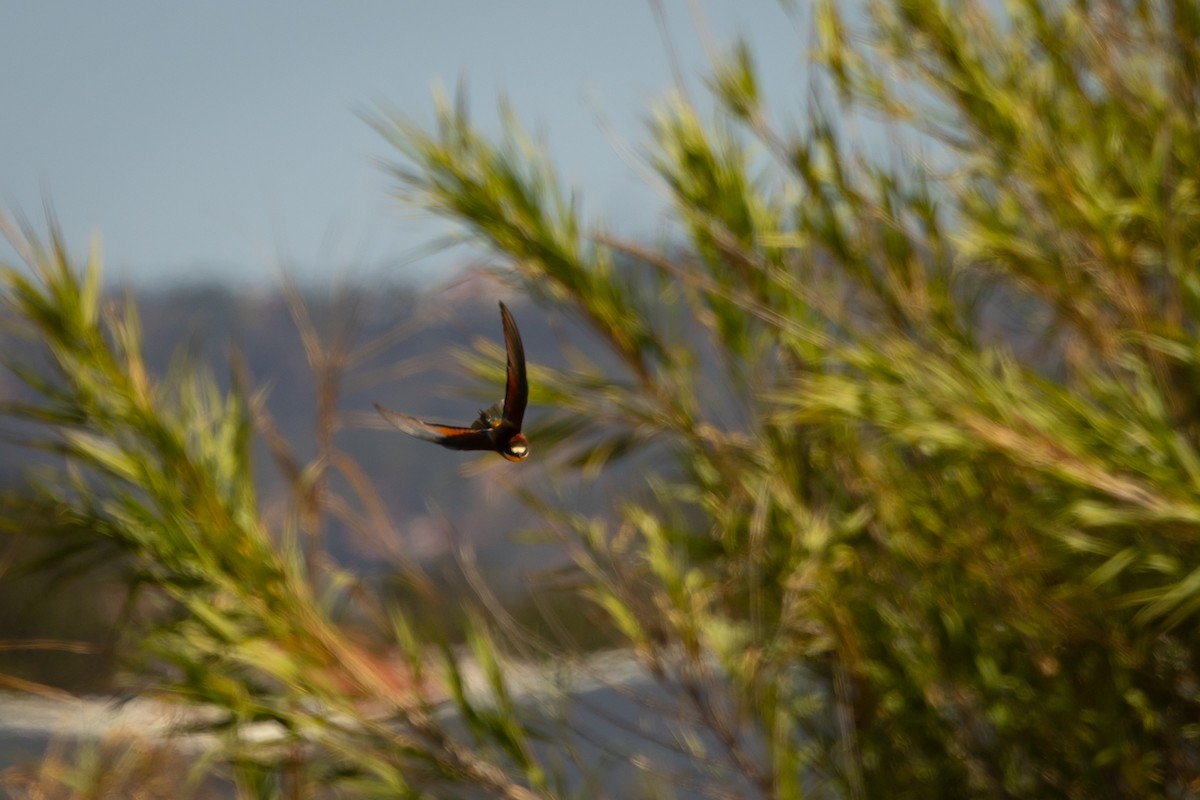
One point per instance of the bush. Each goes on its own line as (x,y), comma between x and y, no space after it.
(940,536)
(925,521)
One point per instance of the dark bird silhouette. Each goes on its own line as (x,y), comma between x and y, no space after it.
(499,427)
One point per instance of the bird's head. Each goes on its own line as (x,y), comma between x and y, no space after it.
(517,448)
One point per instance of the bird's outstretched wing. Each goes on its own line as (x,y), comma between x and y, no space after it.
(516,391)
(449,436)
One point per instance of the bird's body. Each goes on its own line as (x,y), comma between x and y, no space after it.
(498,428)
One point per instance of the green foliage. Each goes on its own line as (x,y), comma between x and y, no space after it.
(232,616)
(920,514)
(946,544)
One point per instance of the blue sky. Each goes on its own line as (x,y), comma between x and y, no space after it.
(217,140)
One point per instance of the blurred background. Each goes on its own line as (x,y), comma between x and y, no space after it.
(863,362)
(219,152)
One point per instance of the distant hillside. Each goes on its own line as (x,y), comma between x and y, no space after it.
(435,499)
(423,487)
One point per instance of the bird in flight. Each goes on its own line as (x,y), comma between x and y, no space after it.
(499,427)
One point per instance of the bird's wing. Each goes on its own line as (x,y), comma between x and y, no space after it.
(449,436)
(516,391)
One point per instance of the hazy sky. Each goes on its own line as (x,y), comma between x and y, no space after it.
(212,140)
